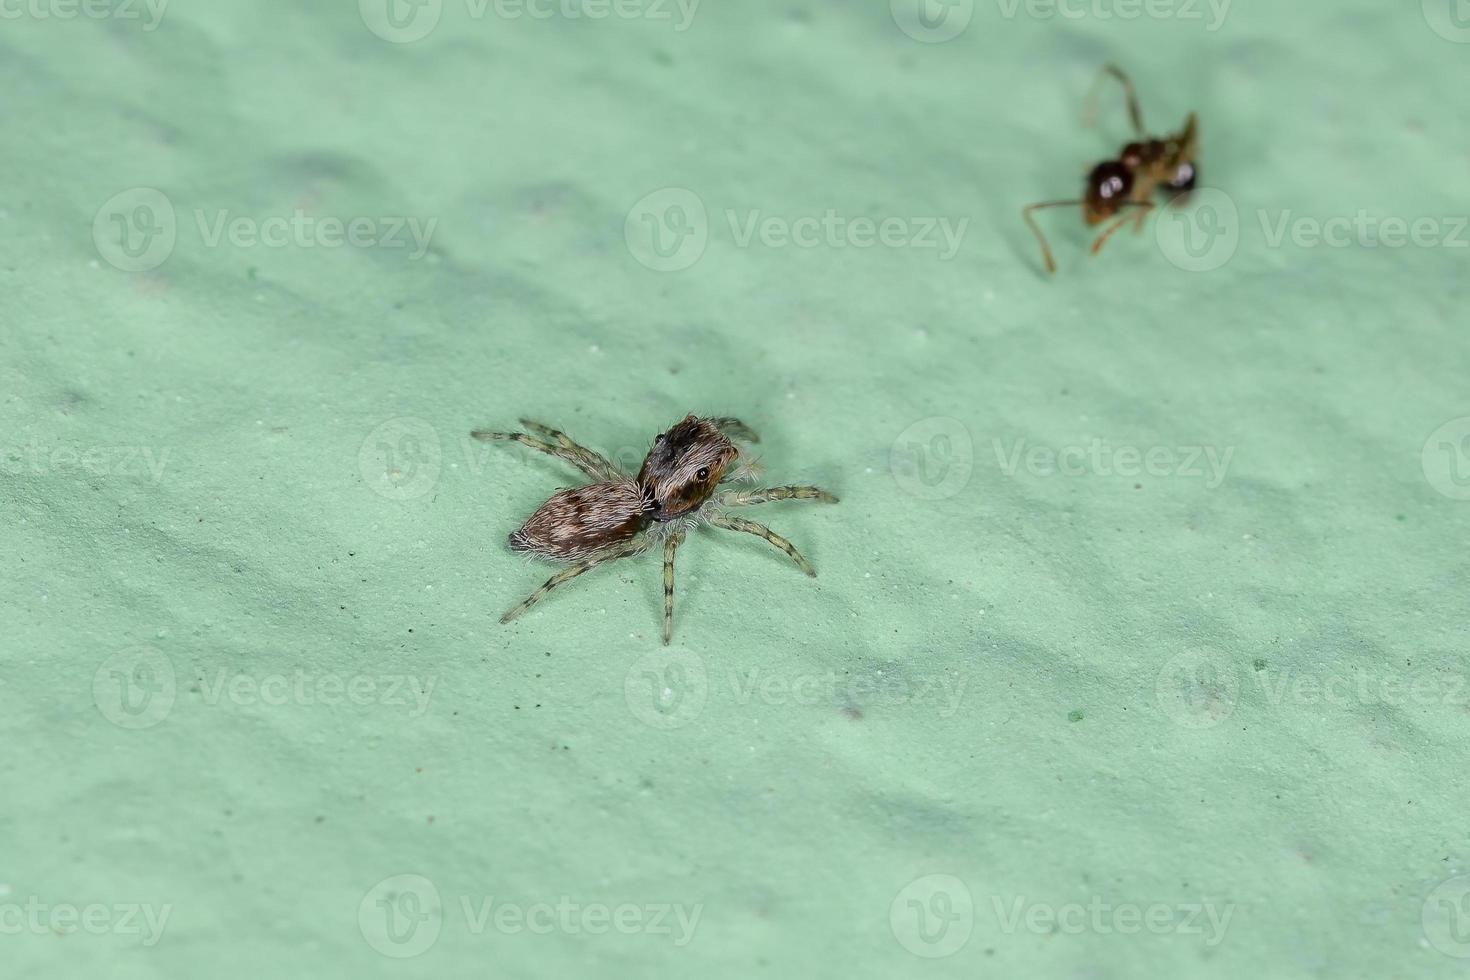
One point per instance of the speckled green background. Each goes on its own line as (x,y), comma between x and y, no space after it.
(1023,708)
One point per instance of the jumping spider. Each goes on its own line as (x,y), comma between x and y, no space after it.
(620,515)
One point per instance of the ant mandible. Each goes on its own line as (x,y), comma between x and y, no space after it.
(1142,167)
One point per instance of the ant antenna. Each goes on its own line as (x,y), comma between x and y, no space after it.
(1051,265)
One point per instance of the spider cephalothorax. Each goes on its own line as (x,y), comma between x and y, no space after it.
(684,467)
(620,516)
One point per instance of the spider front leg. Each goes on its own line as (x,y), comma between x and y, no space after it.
(595,466)
(566,575)
(761,531)
(593,458)
(735,428)
(742,498)
(671,545)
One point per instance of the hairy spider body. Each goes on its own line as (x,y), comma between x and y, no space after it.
(621,516)
(576,524)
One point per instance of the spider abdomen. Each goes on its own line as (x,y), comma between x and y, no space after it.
(584,521)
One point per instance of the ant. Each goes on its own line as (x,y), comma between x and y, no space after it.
(1142,167)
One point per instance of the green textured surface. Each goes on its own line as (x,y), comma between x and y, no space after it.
(1073,694)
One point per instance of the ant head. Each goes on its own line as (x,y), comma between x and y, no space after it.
(684,467)
(1108,187)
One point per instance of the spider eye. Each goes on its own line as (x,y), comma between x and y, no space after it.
(703,473)
(658,438)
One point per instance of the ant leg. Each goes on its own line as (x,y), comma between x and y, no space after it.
(742,498)
(565,576)
(1089,114)
(671,545)
(736,428)
(1102,239)
(607,466)
(1190,138)
(1051,265)
(761,531)
(581,459)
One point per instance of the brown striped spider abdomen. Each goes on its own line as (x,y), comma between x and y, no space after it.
(621,516)
(578,523)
